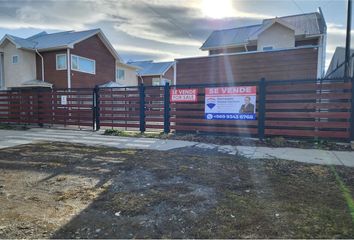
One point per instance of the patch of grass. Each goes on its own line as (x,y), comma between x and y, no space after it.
(131,203)
(345,191)
(128,151)
(13,127)
(116,132)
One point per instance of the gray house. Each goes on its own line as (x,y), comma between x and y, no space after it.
(336,67)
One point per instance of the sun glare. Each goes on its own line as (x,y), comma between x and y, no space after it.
(217,8)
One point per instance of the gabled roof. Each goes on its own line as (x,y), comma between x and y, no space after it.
(230,37)
(151,68)
(268,24)
(60,40)
(308,24)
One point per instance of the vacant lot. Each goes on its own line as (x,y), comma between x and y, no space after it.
(57,190)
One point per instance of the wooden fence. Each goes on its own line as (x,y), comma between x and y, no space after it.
(61,107)
(308,109)
(297,109)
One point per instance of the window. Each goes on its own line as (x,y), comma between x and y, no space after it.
(61,62)
(14,59)
(155,81)
(82,64)
(267,48)
(120,75)
(164,81)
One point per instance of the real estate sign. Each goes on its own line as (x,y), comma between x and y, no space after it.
(230,103)
(183,95)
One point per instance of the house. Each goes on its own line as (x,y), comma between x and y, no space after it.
(155,73)
(280,48)
(336,67)
(69,59)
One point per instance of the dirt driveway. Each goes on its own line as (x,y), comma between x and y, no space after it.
(58,190)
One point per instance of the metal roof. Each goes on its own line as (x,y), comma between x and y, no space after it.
(60,40)
(151,68)
(20,42)
(336,67)
(304,24)
(229,37)
(44,40)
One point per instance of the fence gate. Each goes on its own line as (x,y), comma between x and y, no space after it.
(118,108)
(48,107)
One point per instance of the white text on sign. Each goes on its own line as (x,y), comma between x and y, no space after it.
(184,95)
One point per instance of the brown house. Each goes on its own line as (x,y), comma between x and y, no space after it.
(155,73)
(284,48)
(61,60)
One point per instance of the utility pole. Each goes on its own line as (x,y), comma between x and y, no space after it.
(347,66)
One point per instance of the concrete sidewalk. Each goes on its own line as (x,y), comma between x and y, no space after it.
(10,138)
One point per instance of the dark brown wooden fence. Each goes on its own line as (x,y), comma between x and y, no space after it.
(308,109)
(298,109)
(154,108)
(46,108)
(119,108)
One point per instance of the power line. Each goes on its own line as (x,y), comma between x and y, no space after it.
(298,6)
(170,20)
(327,3)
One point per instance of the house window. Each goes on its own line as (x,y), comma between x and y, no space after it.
(61,62)
(120,75)
(14,59)
(82,64)
(164,81)
(268,48)
(155,81)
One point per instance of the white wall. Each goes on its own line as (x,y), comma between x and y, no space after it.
(277,36)
(131,78)
(24,70)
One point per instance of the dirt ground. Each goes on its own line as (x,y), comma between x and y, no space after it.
(59,190)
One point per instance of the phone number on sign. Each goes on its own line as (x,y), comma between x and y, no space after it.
(227,116)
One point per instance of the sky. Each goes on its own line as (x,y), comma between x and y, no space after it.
(161,30)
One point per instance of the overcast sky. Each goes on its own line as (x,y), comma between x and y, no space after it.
(160,29)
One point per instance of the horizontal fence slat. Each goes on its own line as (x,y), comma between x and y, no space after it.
(120,125)
(310,96)
(307,124)
(344,115)
(307,106)
(307,87)
(307,133)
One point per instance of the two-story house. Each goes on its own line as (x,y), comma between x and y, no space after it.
(69,59)
(281,48)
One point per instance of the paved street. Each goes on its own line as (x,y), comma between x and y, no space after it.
(10,138)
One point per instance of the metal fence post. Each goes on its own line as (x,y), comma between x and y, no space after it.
(261,108)
(352,113)
(142,107)
(166,121)
(96,109)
